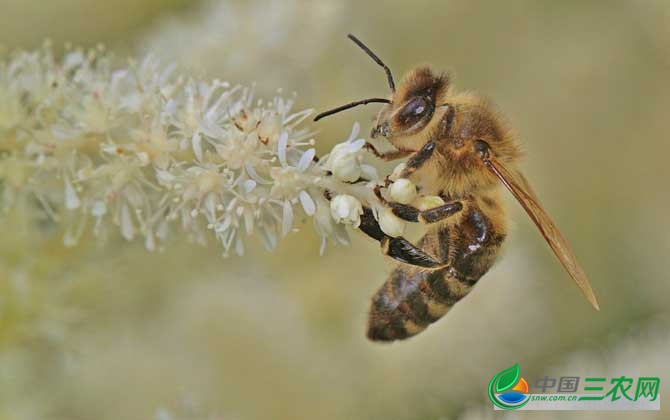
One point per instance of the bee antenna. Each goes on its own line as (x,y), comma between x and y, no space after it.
(372,55)
(350,105)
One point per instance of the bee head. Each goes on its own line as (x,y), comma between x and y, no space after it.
(411,107)
(406,119)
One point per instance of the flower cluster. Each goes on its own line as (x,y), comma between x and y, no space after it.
(147,152)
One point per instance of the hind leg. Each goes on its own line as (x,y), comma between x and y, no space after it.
(397,248)
(412,214)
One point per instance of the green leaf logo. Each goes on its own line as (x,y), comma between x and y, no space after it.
(507,378)
(504,381)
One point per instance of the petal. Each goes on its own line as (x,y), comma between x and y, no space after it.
(306,159)
(248,221)
(354,131)
(99,208)
(149,242)
(164,177)
(127,228)
(211,128)
(210,204)
(307,203)
(322,248)
(196,142)
(163,230)
(254,175)
(223,226)
(239,246)
(166,74)
(287,218)
(369,172)
(269,238)
(281,148)
(71,198)
(170,107)
(229,239)
(356,145)
(298,117)
(249,185)
(341,235)
(69,239)
(342,211)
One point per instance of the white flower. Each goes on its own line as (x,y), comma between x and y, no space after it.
(269,128)
(402,191)
(291,180)
(345,161)
(325,225)
(391,224)
(346,209)
(145,152)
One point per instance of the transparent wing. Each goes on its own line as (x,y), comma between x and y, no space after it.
(519,187)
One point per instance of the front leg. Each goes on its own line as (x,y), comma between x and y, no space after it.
(387,156)
(418,159)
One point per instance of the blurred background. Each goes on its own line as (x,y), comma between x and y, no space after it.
(116,332)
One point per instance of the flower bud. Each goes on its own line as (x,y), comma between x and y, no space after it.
(427,202)
(343,163)
(346,168)
(402,191)
(346,209)
(391,224)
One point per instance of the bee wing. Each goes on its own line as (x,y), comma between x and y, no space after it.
(517,184)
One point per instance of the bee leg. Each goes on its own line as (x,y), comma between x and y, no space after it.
(370,226)
(435,214)
(417,160)
(387,156)
(412,214)
(398,248)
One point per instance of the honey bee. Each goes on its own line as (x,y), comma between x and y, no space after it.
(460,149)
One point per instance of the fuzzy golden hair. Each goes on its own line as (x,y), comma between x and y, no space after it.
(458,120)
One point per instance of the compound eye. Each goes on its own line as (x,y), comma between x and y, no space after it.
(414,111)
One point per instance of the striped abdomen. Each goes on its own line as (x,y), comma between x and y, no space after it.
(412,298)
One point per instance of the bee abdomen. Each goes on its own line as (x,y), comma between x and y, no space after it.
(409,301)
